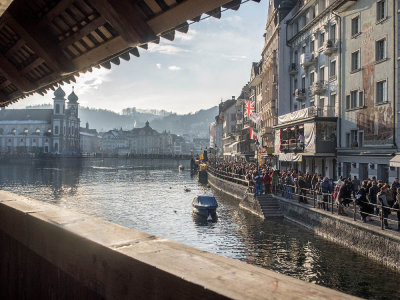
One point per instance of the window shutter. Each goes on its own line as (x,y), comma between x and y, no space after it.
(348,102)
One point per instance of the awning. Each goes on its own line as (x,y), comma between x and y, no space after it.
(290,157)
(395,161)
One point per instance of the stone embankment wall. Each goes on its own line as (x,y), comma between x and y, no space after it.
(381,246)
(239,192)
(48,252)
(371,241)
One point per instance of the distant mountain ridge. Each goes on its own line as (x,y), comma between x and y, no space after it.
(193,124)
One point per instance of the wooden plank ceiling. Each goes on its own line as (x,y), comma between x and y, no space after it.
(46,42)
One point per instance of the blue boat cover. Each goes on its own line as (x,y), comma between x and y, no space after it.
(206,201)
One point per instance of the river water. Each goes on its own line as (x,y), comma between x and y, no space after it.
(149,195)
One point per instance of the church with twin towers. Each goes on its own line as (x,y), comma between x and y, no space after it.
(41,131)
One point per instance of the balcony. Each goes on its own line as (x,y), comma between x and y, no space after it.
(293,69)
(329,48)
(307,60)
(318,87)
(300,94)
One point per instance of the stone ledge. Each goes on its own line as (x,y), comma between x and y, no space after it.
(120,263)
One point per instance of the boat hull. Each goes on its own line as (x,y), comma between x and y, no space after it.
(205,211)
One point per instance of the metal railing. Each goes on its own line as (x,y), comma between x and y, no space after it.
(318,200)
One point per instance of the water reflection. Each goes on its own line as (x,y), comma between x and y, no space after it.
(150,196)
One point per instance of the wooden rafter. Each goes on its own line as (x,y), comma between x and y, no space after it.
(182,12)
(123,16)
(38,39)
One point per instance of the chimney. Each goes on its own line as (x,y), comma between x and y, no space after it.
(87,125)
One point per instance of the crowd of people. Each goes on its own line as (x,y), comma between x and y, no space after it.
(370,195)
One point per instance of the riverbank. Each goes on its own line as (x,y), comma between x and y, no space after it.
(366,239)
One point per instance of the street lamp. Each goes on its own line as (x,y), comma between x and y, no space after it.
(257,144)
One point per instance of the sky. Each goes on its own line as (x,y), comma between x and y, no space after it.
(195,71)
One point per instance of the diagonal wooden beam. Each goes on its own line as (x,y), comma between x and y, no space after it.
(38,38)
(10,72)
(184,11)
(82,32)
(126,19)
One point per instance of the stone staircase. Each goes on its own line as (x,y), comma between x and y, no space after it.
(269,206)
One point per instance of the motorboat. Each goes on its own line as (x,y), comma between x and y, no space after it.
(205,206)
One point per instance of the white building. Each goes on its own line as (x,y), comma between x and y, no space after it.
(35,131)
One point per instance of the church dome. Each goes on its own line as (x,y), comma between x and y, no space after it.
(72,98)
(59,93)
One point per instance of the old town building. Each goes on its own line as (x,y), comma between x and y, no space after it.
(305,137)
(36,131)
(368,113)
(277,11)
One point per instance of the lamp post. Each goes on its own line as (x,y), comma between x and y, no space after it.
(257,144)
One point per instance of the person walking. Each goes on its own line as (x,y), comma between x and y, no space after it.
(397,207)
(356,186)
(326,190)
(267,183)
(362,201)
(382,200)
(373,191)
(302,189)
(275,181)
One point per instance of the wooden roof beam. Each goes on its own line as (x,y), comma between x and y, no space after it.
(10,72)
(126,19)
(182,12)
(38,38)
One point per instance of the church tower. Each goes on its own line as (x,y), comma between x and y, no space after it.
(59,102)
(73,103)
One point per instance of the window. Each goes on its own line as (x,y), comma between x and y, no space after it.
(381,91)
(322,73)
(34,140)
(380,10)
(354,138)
(37,131)
(296,57)
(312,78)
(333,100)
(360,138)
(56,147)
(355,26)
(303,49)
(303,82)
(57,108)
(312,103)
(347,140)
(1,131)
(355,60)
(353,99)
(361,99)
(348,102)
(332,69)
(380,50)
(295,85)
(312,46)
(321,39)
(332,33)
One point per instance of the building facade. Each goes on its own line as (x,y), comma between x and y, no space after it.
(36,131)
(368,112)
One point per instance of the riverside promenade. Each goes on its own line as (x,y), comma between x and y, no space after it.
(382,246)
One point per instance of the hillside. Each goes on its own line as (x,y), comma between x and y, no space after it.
(195,124)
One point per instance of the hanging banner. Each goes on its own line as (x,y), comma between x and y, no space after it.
(277,144)
(290,157)
(256,118)
(309,137)
(296,115)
